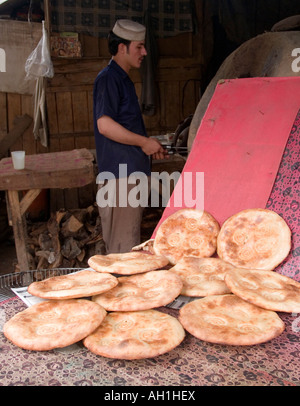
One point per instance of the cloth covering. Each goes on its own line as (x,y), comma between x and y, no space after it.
(96,18)
(18,39)
(192,363)
(285,199)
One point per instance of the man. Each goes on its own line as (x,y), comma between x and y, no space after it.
(120,135)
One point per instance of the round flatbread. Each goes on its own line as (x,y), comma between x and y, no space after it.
(54,324)
(141,292)
(265,289)
(227,319)
(81,284)
(135,335)
(128,263)
(254,239)
(187,232)
(145,246)
(202,276)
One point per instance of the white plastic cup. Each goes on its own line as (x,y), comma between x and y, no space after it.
(18,158)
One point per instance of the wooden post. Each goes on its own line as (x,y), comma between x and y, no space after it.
(19,229)
(16,209)
(47,16)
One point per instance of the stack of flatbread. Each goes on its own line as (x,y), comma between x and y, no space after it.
(240,292)
(218,266)
(227,271)
(75,307)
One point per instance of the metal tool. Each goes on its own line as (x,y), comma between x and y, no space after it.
(171,149)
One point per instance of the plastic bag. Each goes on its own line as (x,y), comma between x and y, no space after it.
(39,62)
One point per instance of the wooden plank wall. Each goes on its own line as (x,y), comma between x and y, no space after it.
(69,96)
(11,106)
(70,111)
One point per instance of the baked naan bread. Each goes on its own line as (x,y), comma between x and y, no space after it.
(202,276)
(128,263)
(135,335)
(145,246)
(54,324)
(141,292)
(254,239)
(265,289)
(187,232)
(81,284)
(227,319)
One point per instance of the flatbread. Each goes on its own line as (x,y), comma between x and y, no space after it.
(227,319)
(141,292)
(81,284)
(54,324)
(135,335)
(202,276)
(265,289)
(254,239)
(145,246)
(187,232)
(128,263)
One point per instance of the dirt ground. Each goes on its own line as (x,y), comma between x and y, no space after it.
(8,257)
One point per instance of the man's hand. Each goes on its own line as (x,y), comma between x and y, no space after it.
(152,146)
(114,131)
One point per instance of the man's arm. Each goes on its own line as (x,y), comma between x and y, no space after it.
(116,132)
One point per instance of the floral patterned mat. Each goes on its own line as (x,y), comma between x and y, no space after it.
(285,199)
(192,363)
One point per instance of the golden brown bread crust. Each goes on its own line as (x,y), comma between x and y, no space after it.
(254,239)
(81,284)
(128,263)
(141,292)
(227,319)
(145,246)
(54,324)
(187,232)
(135,335)
(266,289)
(202,276)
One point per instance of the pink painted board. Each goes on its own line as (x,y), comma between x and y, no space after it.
(239,144)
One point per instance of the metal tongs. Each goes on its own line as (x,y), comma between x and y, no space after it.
(172,149)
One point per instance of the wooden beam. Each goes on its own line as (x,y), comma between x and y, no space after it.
(28,199)
(19,229)
(47,16)
(7,140)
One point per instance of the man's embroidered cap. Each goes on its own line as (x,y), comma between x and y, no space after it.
(129,30)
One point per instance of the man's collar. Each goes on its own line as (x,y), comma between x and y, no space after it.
(118,68)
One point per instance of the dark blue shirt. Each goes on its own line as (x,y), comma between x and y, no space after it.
(114,95)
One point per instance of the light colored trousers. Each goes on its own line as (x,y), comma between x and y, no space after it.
(121,226)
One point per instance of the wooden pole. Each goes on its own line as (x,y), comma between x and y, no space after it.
(47,16)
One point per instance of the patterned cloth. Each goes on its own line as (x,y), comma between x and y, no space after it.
(192,363)
(96,17)
(285,199)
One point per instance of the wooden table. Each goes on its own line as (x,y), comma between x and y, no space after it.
(56,170)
